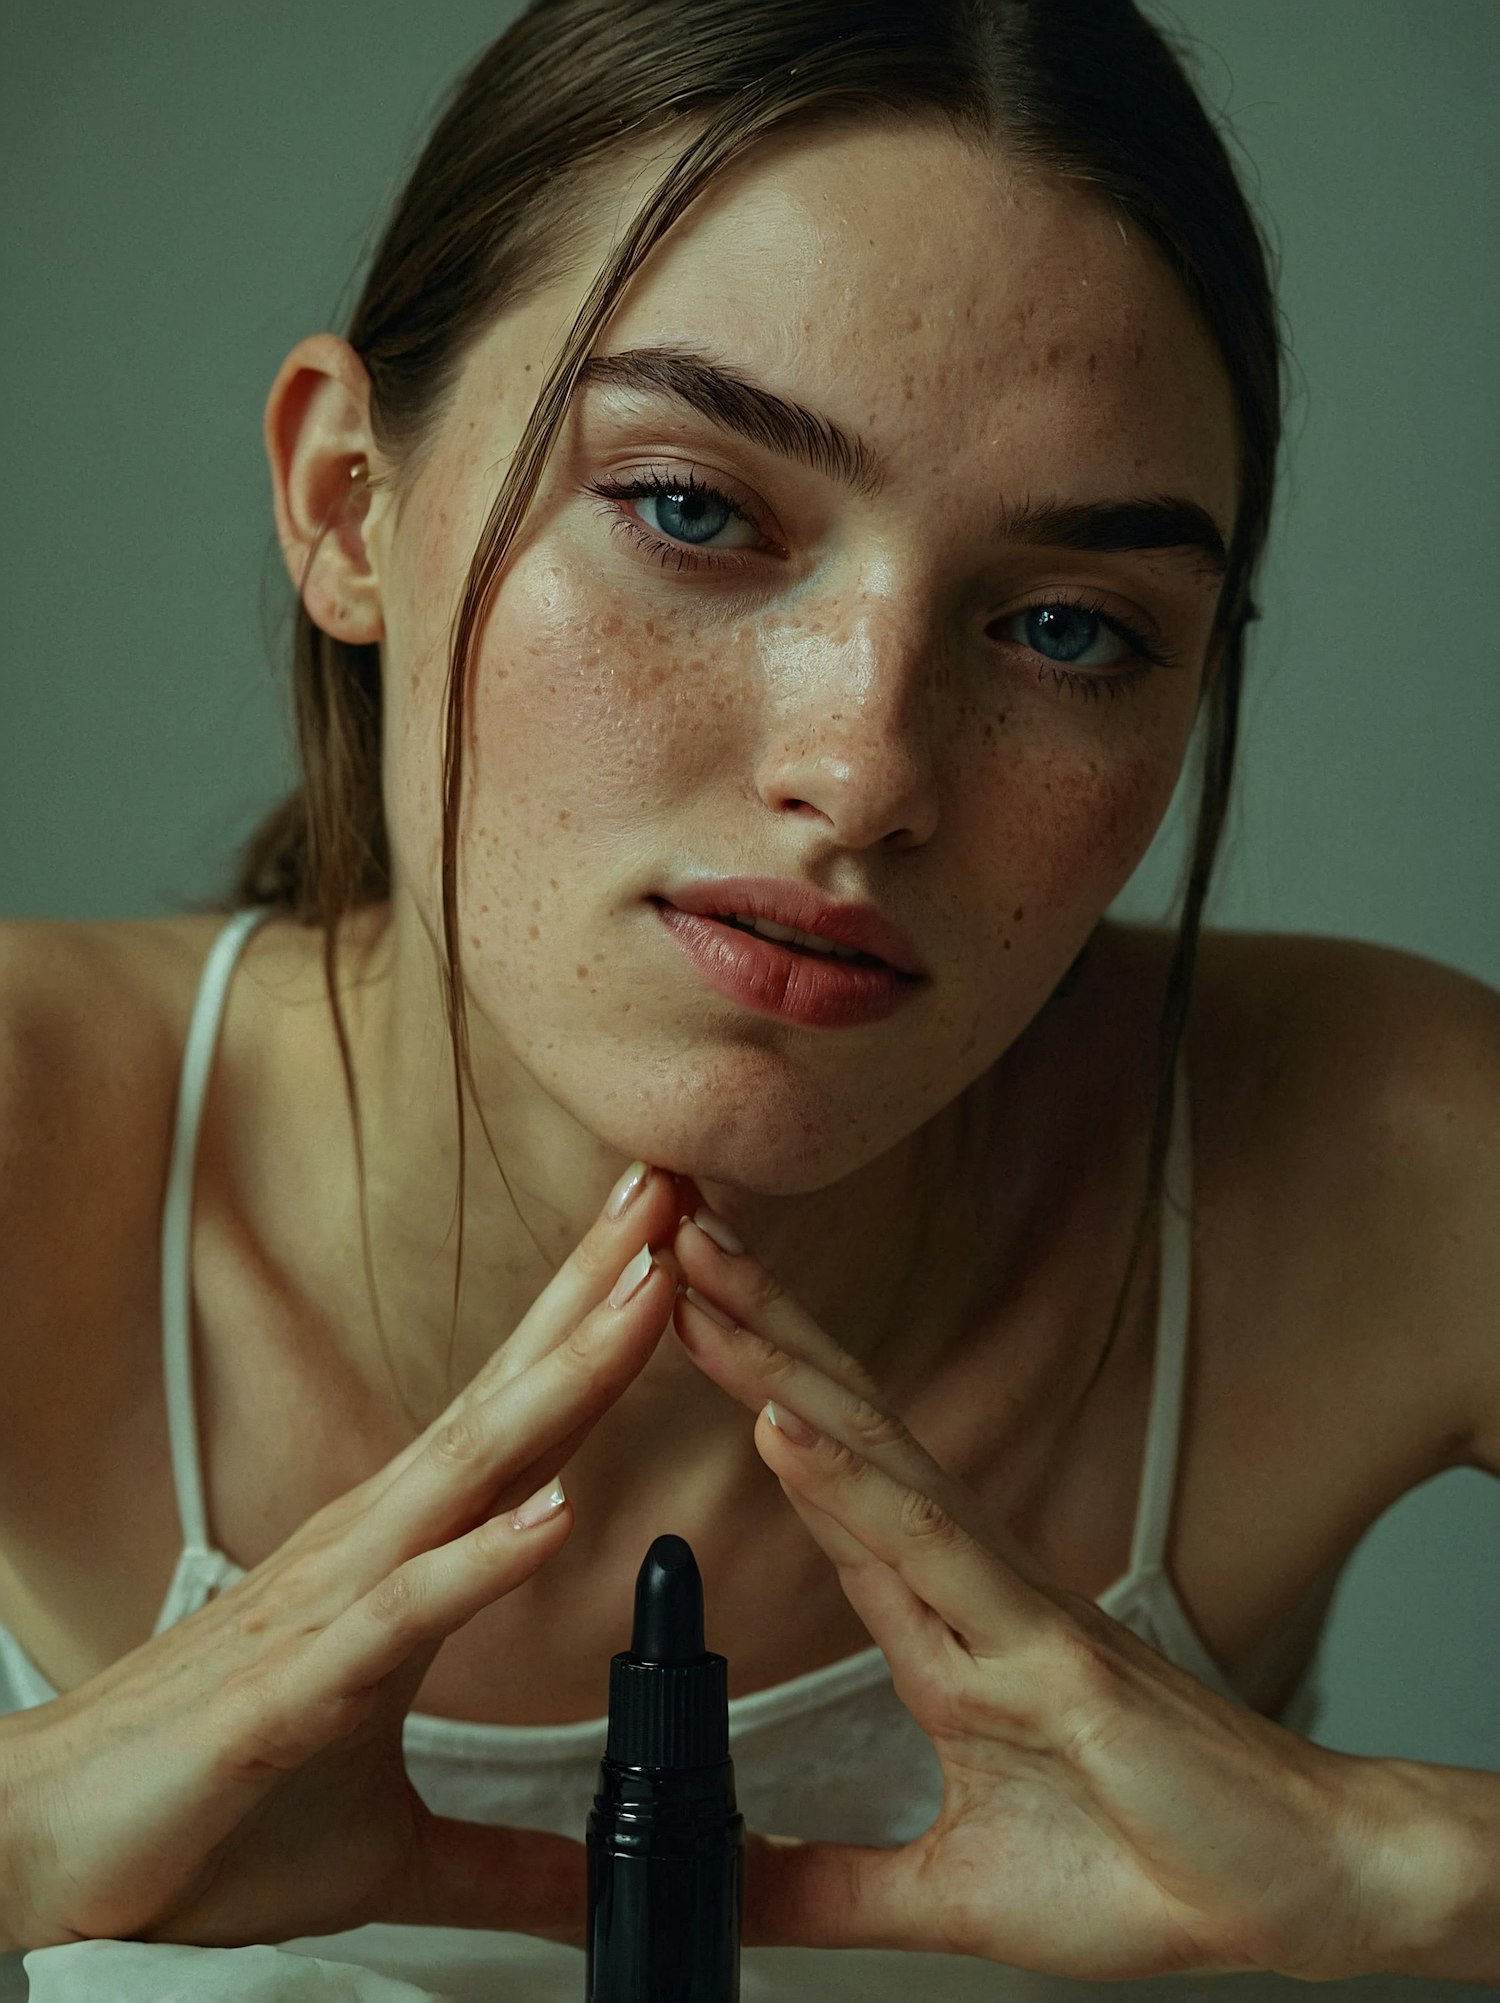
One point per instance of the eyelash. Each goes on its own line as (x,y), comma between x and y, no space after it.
(658,482)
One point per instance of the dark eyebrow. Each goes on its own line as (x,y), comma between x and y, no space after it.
(738,404)
(1167,522)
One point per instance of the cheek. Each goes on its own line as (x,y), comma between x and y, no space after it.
(582,720)
(1074,826)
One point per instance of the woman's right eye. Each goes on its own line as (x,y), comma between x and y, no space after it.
(689,511)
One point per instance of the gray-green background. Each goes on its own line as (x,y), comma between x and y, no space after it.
(190,188)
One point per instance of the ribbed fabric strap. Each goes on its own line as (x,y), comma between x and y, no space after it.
(1163,1432)
(177,1223)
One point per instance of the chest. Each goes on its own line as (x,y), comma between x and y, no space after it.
(1274,1486)
(1296,1423)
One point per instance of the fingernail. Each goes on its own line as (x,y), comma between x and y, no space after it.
(627,1189)
(711,1222)
(798,1431)
(632,1279)
(713,1313)
(546,1502)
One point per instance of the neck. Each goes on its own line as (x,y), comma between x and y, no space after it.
(882,1257)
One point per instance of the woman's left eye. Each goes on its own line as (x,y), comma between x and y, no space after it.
(689,511)
(1070,632)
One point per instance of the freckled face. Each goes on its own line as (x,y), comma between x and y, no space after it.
(794,679)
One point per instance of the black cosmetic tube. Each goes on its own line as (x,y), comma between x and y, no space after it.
(665,1839)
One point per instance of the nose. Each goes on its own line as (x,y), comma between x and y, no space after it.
(851,724)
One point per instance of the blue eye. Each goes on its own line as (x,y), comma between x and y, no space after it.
(1066,633)
(691,516)
(688,510)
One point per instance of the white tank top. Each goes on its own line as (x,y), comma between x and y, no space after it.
(832,1754)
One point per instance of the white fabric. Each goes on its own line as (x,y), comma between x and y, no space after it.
(444,1965)
(831,1754)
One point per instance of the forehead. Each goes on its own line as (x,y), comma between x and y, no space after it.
(959,311)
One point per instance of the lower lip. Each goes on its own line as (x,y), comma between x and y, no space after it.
(815,992)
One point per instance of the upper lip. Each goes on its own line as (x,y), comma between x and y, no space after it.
(787,902)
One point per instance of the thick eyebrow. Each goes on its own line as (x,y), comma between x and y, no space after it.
(1167,522)
(738,404)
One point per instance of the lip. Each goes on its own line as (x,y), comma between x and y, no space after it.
(786,902)
(775,980)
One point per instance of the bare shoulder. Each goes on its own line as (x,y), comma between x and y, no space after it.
(1351,1093)
(92,1019)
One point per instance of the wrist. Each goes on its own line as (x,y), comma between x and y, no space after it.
(1423,1870)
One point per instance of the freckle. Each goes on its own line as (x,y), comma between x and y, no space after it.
(583,973)
(1020,913)
(1054,354)
(533,931)
(1006,944)
(1093,363)
(474,940)
(563,816)
(553,884)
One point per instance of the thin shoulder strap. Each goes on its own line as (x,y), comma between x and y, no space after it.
(1163,1435)
(177,1221)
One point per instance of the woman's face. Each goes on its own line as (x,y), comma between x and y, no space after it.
(793,676)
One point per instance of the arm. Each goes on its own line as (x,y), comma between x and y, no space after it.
(1427,1851)
(1426,1855)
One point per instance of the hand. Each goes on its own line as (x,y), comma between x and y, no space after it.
(239,1778)
(1105,1815)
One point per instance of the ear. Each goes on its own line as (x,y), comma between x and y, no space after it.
(321,451)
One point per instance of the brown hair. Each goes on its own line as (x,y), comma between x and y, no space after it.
(500,206)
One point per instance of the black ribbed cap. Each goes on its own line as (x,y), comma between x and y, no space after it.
(668,1695)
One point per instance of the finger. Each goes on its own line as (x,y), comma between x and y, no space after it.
(921,1648)
(488,1443)
(991,1608)
(892,1612)
(575,1289)
(316,1688)
(586,1276)
(739,1283)
(750,1363)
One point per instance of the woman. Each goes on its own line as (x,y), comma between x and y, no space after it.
(684,543)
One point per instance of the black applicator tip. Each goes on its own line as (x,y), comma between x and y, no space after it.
(668,1604)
